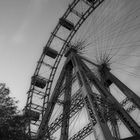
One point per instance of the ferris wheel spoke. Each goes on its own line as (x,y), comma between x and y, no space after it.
(103,34)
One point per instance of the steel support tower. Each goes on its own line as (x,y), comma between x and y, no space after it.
(46,95)
(100,107)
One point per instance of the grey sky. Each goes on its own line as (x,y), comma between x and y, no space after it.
(25,26)
(24,29)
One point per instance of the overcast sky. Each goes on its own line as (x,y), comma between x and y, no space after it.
(25,26)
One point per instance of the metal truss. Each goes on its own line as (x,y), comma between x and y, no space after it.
(37,81)
(83,133)
(77,104)
(100,108)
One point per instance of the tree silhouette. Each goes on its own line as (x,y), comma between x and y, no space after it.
(11,123)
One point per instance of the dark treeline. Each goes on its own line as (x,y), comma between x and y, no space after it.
(12,125)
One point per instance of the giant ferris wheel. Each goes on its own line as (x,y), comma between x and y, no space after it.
(80,87)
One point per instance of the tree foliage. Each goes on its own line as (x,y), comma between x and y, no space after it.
(11,124)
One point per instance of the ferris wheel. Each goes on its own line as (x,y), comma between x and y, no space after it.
(79,89)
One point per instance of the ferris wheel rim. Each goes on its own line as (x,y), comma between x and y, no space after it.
(83,18)
(54,35)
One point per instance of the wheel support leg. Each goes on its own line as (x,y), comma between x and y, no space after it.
(44,124)
(128,92)
(124,116)
(87,93)
(67,103)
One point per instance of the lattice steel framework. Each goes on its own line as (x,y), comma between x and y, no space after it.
(102,107)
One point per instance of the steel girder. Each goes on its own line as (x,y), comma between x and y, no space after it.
(123,115)
(77,104)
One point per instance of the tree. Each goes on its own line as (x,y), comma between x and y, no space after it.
(11,124)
